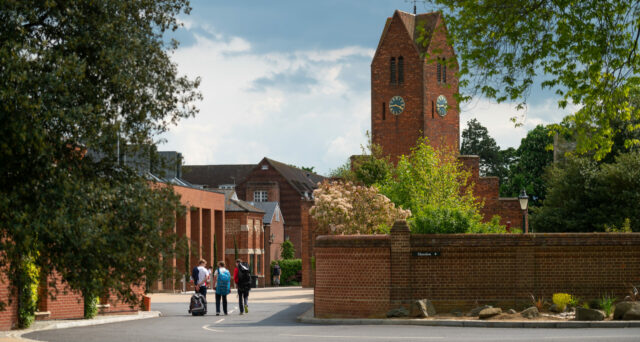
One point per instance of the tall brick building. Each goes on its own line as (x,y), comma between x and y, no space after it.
(413,87)
(413,84)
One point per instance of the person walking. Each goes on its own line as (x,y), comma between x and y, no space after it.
(242,278)
(276,274)
(222,279)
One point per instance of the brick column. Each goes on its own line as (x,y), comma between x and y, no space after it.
(400,263)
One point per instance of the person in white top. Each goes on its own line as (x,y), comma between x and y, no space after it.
(203,277)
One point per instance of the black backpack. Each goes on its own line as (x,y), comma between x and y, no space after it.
(276,270)
(244,277)
(198,305)
(195,274)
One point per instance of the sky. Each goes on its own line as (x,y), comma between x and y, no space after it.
(290,80)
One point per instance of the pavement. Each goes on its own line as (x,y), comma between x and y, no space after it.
(270,295)
(308,317)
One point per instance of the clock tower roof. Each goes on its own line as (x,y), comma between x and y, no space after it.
(414,23)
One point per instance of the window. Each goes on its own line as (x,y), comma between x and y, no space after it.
(252,264)
(439,71)
(277,216)
(400,70)
(433,110)
(384,110)
(260,196)
(226,186)
(392,71)
(259,264)
(265,167)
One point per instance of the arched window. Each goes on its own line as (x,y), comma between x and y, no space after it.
(384,111)
(400,70)
(392,71)
(444,70)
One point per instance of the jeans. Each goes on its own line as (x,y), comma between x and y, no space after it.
(224,303)
(243,295)
(203,291)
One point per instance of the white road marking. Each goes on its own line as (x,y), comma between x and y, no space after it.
(218,321)
(370,337)
(206,327)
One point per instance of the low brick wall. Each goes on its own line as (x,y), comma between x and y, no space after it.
(459,271)
(8,316)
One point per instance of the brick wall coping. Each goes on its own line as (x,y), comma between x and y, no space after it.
(543,239)
(508,198)
(353,241)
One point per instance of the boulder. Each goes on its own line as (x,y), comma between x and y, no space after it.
(476,311)
(583,314)
(398,312)
(623,307)
(556,309)
(512,312)
(489,312)
(531,312)
(633,314)
(422,308)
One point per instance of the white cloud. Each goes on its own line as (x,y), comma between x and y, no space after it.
(258,104)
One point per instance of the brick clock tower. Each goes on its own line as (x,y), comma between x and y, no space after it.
(412,88)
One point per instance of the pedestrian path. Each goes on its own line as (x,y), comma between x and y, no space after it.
(294,294)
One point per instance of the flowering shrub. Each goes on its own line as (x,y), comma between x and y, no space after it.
(345,208)
(561,300)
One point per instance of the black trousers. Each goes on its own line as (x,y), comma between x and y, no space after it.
(243,295)
(224,303)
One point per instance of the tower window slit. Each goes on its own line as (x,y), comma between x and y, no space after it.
(384,110)
(392,71)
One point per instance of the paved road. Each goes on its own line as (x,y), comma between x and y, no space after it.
(273,315)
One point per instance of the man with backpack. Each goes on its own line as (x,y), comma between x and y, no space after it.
(200,275)
(242,278)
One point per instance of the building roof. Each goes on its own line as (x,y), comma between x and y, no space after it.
(413,22)
(213,176)
(232,203)
(269,209)
(303,181)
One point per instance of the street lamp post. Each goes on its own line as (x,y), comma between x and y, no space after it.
(524,205)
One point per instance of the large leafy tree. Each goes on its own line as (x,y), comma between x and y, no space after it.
(78,76)
(586,196)
(476,140)
(587,51)
(531,159)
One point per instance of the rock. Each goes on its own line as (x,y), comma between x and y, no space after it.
(531,312)
(489,312)
(583,314)
(476,311)
(512,312)
(398,312)
(422,308)
(623,307)
(554,308)
(633,314)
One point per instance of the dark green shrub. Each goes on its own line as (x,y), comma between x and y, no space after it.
(90,305)
(287,251)
(290,271)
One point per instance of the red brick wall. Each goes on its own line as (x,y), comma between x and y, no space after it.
(352,276)
(501,270)
(8,317)
(67,304)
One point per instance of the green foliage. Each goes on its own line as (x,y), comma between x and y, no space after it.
(606,303)
(575,301)
(561,300)
(372,167)
(27,279)
(433,185)
(287,250)
(586,51)
(477,141)
(529,164)
(78,79)
(583,196)
(290,271)
(91,302)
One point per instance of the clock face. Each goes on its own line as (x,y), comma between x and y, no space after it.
(396,105)
(441,105)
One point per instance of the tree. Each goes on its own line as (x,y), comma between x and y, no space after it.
(345,208)
(77,80)
(287,250)
(476,140)
(587,51)
(586,196)
(369,168)
(533,156)
(434,186)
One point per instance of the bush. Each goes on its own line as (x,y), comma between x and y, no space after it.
(27,283)
(606,303)
(561,300)
(290,271)
(90,305)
